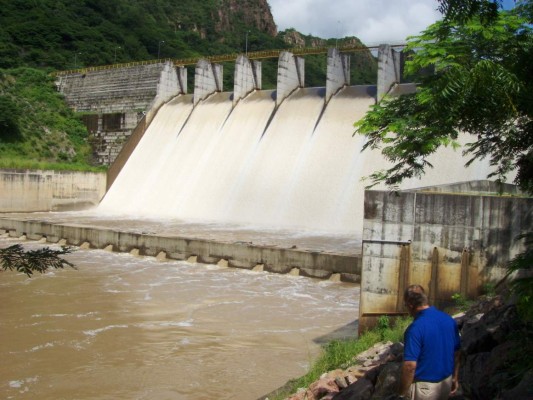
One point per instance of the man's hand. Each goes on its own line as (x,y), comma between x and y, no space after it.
(455,386)
(408,375)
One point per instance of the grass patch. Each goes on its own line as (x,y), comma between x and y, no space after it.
(20,163)
(340,353)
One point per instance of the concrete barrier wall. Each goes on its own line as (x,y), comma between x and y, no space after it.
(447,242)
(237,255)
(29,191)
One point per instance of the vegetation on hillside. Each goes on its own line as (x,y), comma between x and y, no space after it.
(36,126)
(65,34)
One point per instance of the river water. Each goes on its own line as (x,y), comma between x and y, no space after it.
(126,327)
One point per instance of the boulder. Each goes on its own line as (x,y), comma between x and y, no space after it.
(388,380)
(360,390)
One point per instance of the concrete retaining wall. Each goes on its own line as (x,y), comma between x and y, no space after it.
(237,255)
(29,191)
(447,242)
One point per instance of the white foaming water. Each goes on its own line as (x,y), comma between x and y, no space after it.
(298,167)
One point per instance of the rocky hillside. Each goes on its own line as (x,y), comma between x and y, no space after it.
(496,361)
(64,34)
(255,14)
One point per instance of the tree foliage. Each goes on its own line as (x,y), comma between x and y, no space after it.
(522,284)
(14,258)
(481,85)
(36,124)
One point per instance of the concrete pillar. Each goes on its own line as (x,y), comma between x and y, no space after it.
(338,73)
(388,69)
(290,75)
(247,77)
(181,72)
(207,80)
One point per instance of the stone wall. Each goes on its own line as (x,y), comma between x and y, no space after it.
(30,191)
(114,100)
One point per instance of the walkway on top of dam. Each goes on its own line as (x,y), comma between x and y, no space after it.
(251,55)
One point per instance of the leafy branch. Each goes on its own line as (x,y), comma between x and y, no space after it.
(14,258)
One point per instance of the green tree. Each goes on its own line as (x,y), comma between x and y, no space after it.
(482,85)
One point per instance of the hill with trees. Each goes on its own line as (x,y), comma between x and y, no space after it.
(39,37)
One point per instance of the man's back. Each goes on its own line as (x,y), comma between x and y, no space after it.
(431,340)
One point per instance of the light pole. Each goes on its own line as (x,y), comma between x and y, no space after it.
(76,59)
(159,48)
(338,34)
(116,47)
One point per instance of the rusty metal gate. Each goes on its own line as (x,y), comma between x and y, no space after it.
(389,268)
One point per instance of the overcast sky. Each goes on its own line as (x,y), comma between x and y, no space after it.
(372,21)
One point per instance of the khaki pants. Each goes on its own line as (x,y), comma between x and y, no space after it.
(431,390)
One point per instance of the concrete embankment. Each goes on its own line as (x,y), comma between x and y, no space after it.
(322,265)
(39,190)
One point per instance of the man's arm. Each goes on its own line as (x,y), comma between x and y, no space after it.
(455,378)
(407,378)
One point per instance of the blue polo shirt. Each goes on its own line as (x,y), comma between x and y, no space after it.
(431,340)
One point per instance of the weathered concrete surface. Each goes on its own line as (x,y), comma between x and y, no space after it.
(207,80)
(338,72)
(115,99)
(388,69)
(237,254)
(247,78)
(449,243)
(36,190)
(290,75)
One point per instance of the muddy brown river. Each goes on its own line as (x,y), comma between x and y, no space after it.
(126,327)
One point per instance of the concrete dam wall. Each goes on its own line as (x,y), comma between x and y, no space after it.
(278,159)
(113,101)
(283,160)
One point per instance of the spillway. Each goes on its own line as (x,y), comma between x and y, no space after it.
(296,166)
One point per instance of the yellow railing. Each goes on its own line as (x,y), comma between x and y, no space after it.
(253,55)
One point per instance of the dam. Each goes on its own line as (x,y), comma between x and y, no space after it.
(254,179)
(243,165)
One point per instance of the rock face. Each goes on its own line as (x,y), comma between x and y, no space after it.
(488,332)
(251,13)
